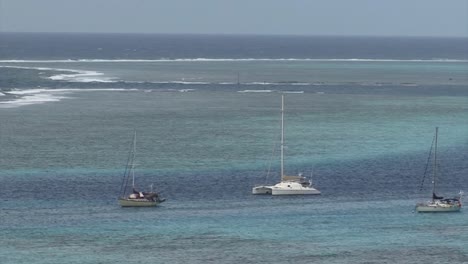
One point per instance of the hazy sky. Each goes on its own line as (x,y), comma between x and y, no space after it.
(303,17)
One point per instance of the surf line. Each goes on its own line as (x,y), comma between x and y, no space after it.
(71,76)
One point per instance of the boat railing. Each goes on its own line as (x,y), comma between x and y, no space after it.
(294,178)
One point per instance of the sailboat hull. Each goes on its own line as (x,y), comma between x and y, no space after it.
(304,191)
(137,202)
(431,208)
(293,188)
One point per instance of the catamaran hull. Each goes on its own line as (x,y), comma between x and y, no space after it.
(137,203)
(437,209)
(286,188)
(295,192)
(261,190)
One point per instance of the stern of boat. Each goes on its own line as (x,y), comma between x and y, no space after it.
(261,190)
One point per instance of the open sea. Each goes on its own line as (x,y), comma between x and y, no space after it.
(360,116)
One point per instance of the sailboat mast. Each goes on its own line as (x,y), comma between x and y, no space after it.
(133,160)
(282,137)
(434,174)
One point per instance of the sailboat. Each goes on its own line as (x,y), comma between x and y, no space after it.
(438,203)
(135,198)
(289,185)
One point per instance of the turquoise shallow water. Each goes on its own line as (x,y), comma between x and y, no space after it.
(63,161)
(319,230)
(219,130)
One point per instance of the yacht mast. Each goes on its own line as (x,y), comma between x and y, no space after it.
(434,174)
(282,137)
(133,160)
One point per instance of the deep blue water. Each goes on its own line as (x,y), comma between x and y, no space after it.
(360,117)
(47,46)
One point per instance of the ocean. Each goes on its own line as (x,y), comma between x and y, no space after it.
(360,116)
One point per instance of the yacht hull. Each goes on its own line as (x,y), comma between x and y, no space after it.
(261,190)
(137,203)
(286,188)
(293,188)
(305,191)
(424,208)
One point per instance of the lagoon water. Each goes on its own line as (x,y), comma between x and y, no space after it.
(360,117)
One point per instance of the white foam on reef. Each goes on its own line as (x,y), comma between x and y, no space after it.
(277,83)
(168,82)
(255,91)
(184,82)
(270,91)
(233,59)
(71,76)
(299,84)
(40,96)
(82,76)
(293,92)
(69,90)
(260,83)
(33,68)
(32,96)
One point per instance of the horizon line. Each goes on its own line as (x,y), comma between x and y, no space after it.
(229,34)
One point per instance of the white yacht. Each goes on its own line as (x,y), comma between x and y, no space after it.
(438,203)
(289,185)
(136,198)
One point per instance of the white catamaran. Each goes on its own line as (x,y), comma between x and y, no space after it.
(438,203)
(135,198)
(289,185)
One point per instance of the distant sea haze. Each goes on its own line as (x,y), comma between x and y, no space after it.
(226,60)
(62,46)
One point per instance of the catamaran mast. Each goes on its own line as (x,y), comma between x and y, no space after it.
(282,137)
(133,160)
(434,174)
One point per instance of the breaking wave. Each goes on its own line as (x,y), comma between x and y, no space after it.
(71,75)
(31,96)
(255,91)
(22,97)
(233,60)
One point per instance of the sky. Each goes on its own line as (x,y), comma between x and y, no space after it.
(278,17)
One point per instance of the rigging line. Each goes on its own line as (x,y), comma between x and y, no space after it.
(427,163)
(271,161)
(126,174)
(267,174)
